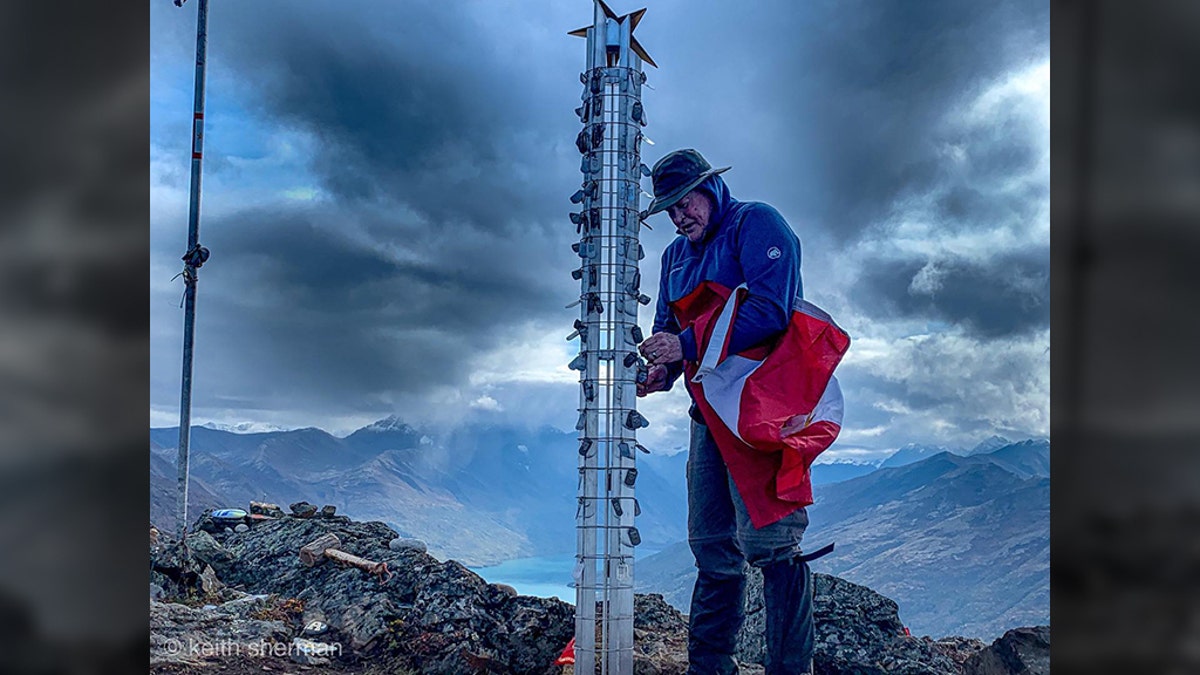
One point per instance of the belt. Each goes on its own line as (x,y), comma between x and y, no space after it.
(823,551)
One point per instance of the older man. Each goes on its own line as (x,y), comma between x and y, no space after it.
(731,243)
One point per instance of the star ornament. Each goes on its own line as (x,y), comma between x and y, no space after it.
(634,19)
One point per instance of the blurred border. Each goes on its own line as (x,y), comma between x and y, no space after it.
(1125,255)
(1126,281)
(73,335)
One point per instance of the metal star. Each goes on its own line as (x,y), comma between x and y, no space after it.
(634,19)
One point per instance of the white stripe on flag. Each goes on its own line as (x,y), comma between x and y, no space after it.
(723,389)
(831,407)
(716,343)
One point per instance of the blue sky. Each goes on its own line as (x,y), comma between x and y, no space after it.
(386,190)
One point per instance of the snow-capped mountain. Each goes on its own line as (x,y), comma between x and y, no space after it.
(989,444)
(914,452)
(244,427)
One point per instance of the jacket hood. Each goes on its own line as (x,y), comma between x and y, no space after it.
(723,203)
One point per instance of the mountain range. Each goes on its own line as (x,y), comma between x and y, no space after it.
(915,452)
(480,495)
(962,542)
(961,539)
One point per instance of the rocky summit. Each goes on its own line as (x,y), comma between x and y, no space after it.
(857,631)
(246,602)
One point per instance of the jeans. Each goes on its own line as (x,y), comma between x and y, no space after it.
(723,540)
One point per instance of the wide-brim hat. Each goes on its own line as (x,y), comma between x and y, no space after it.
(677,174)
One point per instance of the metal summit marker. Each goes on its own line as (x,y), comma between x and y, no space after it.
(609,364)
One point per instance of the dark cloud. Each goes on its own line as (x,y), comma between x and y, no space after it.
(947,388)
(441,225)
(441,141)
(1006,295)
(907,66)
(322,319)
(412,108)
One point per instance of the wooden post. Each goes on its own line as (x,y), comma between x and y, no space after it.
(313,553)
(361,563)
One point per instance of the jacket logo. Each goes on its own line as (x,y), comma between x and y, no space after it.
(773,253)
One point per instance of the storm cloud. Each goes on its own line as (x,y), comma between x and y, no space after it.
(875,110)
(386,198)
(1001,296)
(413,106)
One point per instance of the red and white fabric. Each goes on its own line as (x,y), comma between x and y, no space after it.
(771,409)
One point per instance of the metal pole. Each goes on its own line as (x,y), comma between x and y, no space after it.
(192,261)
(609,250)
(589,460)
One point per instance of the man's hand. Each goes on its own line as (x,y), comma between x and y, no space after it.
(661,349)
(656,380)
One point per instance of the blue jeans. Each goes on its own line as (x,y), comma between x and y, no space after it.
(723,540)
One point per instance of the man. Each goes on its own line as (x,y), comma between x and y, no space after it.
(731,243)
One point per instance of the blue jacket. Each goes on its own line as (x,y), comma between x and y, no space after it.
(746,242)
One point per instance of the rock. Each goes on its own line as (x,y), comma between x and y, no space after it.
(209,582)
(429,617)
(652,613)
(857,631)
(311,653)
(174,570)
(209,551)
(266,509)
(328,511)
(442,618)
(205,523)
(404,544)
(303,510)
(182,634)
(191,573)
(242,527)
(1020,651)
(228,530)
(958,649)
(659,637)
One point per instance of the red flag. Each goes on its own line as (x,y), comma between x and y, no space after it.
(568,654)
(771,409)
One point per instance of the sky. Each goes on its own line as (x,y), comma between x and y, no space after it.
(386,186)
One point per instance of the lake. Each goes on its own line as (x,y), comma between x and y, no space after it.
(541,576)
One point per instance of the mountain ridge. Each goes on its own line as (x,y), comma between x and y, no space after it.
(520,482)
(493,493)
(961,542)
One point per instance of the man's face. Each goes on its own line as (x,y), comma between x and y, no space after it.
(691,214)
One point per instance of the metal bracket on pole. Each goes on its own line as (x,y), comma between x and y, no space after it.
(608,224)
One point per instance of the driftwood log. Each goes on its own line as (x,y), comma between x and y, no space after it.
(376,568)
(313,553)
(326,546)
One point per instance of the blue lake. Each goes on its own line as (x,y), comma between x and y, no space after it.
(545,577)
(542,576)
